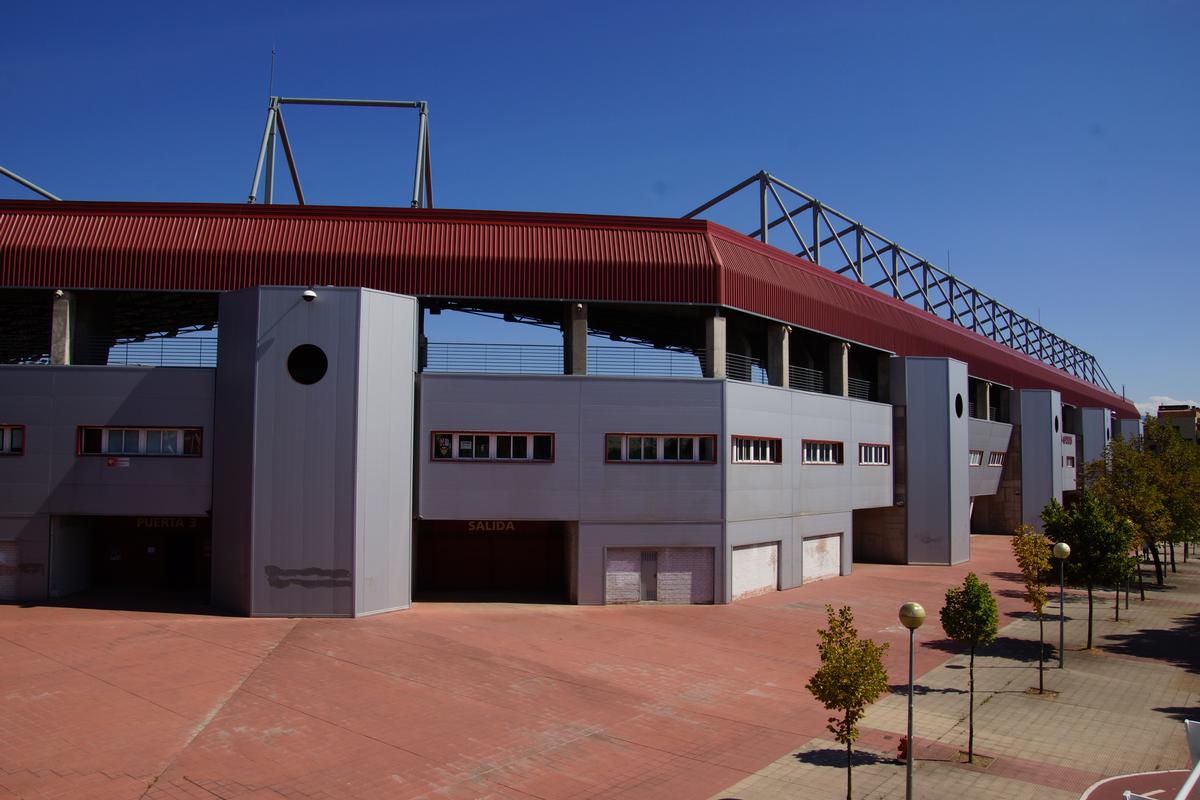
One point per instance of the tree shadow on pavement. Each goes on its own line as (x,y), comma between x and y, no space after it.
(1176,645)
(921,689)
(836,757)
(1024,650)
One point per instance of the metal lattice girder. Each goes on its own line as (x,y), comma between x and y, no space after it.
(831,239)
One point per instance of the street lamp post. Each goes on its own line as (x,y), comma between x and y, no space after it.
(911,617)
(1061,551)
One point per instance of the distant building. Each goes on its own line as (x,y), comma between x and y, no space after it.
(1184,418)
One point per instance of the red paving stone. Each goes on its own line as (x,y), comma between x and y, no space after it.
(445,700)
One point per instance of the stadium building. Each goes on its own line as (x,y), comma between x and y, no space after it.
(756,421)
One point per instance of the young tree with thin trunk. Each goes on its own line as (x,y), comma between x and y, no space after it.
(850,678)
(1032,551)
(970,617)
(1100,541)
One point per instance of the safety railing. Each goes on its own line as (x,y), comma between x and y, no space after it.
(547,359)
(165,351)
(520,359)
(859,388)
(805,379)
(608,360)
(744,368)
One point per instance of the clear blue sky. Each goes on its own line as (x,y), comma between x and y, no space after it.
(1052,148)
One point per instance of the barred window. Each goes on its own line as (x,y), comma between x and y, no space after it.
(95,441)
(509,447)
(816,452)
(976,458)
(875,455)
(757,450)
(997,460)
(660,448)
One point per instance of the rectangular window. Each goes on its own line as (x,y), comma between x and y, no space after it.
(757,450)
(874,455)
(822,452)
(997,459)
(660,448)
(976,458)
(12,440)
(94,441)
(507,447)
(1069,462)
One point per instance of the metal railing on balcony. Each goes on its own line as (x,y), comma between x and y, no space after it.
(165,351)
(612,360)
(519,359)
(744,368)
(547,359)
(859,388)
(805,379)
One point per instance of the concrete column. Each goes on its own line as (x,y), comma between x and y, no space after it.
(714,346)
(987,401)
(575,333)
(60,327)
(778,349)
(839,368)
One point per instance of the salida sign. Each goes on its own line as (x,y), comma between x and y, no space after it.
(488,525)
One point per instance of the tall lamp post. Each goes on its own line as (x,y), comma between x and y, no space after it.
(911,617)
(1061,551)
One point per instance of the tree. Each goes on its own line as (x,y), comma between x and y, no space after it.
(1178,478)
(1032,551)
(1100,541)
(850,678)
(971,618)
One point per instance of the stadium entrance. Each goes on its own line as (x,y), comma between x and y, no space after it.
(492,560)
(138,561)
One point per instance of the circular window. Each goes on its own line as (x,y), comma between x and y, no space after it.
(958,406)
(307,364)
(1056,424)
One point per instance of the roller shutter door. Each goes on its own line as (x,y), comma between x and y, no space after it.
(822,557)
(666,575)
(755,570)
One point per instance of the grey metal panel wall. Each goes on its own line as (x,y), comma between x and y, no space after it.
(32,535)
(1041,452)
(1128,428)
(233,446)
(791,501)
(578,485)
(1095,431)
(383,495)
(650,492)
(53,401)
(759,491)
(990,437)
(304,456)
(959,486)
(595,537)
(464,490)
(937,494)
(821,489)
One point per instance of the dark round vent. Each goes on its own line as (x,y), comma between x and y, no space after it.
(1056,424)
(307,364)
(958,406)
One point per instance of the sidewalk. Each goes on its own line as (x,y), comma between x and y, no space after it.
(1118,709)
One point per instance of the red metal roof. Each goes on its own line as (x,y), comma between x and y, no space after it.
(451,253)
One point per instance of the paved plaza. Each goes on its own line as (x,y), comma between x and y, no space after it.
(456,700)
